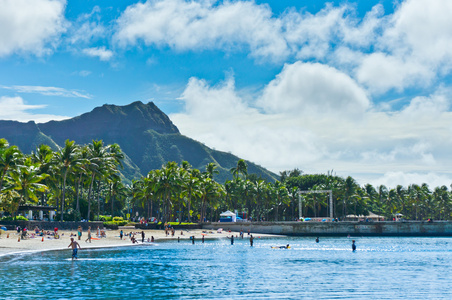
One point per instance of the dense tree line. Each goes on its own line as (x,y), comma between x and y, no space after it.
(84,181)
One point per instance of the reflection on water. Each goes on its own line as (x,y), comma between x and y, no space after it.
(382,268)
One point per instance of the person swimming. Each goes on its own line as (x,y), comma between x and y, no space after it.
(282,247)
(353,246)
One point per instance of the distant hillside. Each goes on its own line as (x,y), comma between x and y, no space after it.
(146,135)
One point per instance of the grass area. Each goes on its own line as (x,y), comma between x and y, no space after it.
(177,223)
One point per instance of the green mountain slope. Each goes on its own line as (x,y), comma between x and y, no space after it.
(146,135)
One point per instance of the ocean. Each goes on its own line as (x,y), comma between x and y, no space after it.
(380,268)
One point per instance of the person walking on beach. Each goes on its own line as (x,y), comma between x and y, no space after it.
(89,235)
(353,246)
(142,236)
(251,240)
(121,234)
(74,246)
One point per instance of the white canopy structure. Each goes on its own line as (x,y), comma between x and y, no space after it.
(229,214)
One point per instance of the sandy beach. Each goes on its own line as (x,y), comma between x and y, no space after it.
(12,245)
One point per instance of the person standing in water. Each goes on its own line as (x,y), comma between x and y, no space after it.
(79,232)
(251,240)
(89,235)
(74,246)
(353,246)
(232,239)
(142,236)
(317,240)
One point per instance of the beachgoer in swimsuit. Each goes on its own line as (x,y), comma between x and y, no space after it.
(120,234)
(251,240)
(353,246)
(89,235)
(142,236)
(317,240)
(74,246)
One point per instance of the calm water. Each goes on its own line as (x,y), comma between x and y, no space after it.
(381,268)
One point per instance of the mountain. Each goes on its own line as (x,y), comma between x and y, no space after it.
(146,135)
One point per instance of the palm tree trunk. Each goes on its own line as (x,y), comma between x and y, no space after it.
(63,194)
(89,197)
(77,206)
(98,199)
(189,207)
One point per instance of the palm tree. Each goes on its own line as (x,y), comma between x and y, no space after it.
(9,158)
(168,185)
(97,160)
(44,157)
(190,185)
(241,168)
(67,158)
(211,169)
(259,192)
(117,191)
(26,180)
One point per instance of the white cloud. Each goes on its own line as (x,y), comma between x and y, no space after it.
(100,52)
(30,26)
(87,28)
(411,47)
(415,46)
(199,25)
(392,179)
(47,91)
(305,88)
(286,126)
(15,109)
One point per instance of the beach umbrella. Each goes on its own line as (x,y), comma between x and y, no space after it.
(4,228)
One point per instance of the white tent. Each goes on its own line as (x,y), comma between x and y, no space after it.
(228,214)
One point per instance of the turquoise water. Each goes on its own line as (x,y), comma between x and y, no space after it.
(381,268)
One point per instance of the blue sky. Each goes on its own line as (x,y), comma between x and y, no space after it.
(359,87)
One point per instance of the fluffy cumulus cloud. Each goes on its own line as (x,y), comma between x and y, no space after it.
(15,109)
(415,46)
(317,118)
(305,88)
(30,26)
(202,25)
(410,47)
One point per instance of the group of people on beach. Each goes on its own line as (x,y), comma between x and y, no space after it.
(24,233)
(132,235)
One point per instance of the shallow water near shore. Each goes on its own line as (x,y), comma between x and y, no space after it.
(381,268)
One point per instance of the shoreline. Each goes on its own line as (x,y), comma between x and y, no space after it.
(11,246)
